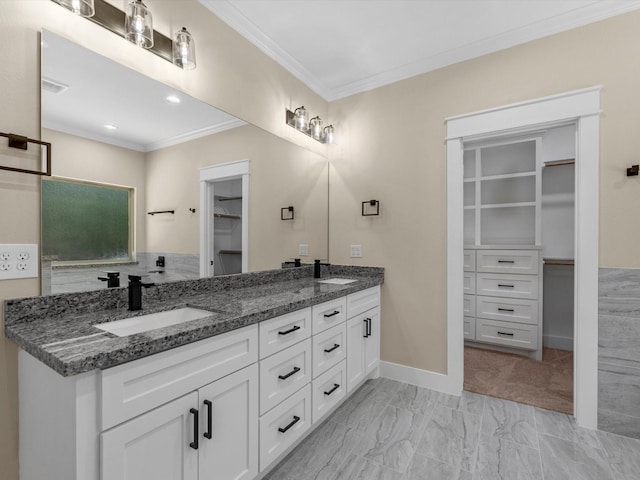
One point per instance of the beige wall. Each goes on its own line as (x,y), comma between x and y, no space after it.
(231,75)
(392,149)
(281,174)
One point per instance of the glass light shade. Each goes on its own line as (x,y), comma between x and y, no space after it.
(84,8)
(184,50)
(315,128)
(138,24)
(328,134)
(301,118)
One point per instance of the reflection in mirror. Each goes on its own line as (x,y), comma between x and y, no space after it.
(161,142)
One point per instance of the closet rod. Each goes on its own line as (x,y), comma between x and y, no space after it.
(559,261)
(557,163)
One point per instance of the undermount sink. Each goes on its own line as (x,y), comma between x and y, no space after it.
(337,281)
(151,321)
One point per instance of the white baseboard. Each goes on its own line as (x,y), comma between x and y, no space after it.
(422,378)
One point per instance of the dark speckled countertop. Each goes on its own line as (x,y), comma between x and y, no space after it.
(59,329)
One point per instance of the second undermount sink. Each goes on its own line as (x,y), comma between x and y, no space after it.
(151,321)
(337,281)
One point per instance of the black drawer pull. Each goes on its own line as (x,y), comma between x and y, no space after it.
(505,333)
(196,422)
(296,419)
(329,350)
(505,309)
(335,312)
(284,377)
(335,387)
(209,405)
(368,327)
(506,261)
(291,330)
(504,285)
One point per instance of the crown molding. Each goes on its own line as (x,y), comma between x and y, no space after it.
(203,132)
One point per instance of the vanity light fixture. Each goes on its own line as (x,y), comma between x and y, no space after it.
(84,8)
(138,24)
(299,119)
(184,50)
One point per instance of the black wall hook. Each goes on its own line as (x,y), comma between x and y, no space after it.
(633,170)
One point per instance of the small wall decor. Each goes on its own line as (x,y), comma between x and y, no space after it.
(633,170)
(22,143)
(286,213)
(370,208)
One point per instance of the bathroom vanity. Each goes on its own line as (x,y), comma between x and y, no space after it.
(224,396)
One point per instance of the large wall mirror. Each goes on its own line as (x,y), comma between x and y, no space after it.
(125,194)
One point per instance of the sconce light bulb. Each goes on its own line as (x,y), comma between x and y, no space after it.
(184,50)
(328,134)
(301,118)
(83,8)
(138,24)
(315,127)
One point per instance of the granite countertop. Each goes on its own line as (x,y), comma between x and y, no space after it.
(59,329)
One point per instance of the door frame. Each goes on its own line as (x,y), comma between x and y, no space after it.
(208,176)
(581,107)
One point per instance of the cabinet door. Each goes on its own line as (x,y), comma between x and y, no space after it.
(229,416)
(372,341)
(153,446)
(356,330)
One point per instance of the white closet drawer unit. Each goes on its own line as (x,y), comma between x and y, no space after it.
(507,309)
(283,331)
(469,283)
(511,286)
(523,262)
(469,307)
(328,389)
(469,261)
(328,314)
(510,334)
(329,348)
(362,301)
(283,374)
(283,425)
(469,326)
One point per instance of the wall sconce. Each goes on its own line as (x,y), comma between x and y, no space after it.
(370,208)
(136,26)
(286,213)
(299,119)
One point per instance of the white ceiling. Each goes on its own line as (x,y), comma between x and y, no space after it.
(342,47)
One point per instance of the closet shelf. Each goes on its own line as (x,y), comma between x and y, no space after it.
(557,163)
(226,199)
(568,262)
(230,252)
(226,215)
(509,205)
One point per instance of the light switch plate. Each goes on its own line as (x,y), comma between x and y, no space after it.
(303,250)
(356,251)
(18,261)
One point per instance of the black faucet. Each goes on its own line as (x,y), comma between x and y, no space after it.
(135,291)
(112,278)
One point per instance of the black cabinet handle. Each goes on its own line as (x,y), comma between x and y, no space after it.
(329,350)
(366,328)
(504,285)
(335,387)
(196,422)
(505,333)
(296,419)
(506,261)
(335,312)
(284,377)
(291,330)
(209,405)
(505,309)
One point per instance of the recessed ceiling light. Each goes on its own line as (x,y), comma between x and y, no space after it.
(110,126)
(173,99)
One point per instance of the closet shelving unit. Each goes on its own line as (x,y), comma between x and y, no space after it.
(226,209)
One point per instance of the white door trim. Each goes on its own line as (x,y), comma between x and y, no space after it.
(208,175)
(583,108)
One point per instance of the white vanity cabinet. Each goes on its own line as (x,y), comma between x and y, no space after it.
(363,335)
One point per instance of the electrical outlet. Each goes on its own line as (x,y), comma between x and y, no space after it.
(303,250)
(356,251)
(18,261)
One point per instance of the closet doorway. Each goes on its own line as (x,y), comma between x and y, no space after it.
(518,261)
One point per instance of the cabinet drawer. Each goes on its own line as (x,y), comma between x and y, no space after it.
(329,348)
(133,388)
(507,309)
(283,331)
(469,307)
(469,261)
(469,283)
(328,389)
(362,301)
(469,328)
(511,286)
(328,314)
(519,335)
(284,373)
(283,425)
(508,261)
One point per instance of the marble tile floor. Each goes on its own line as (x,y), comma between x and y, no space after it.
(389,430)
